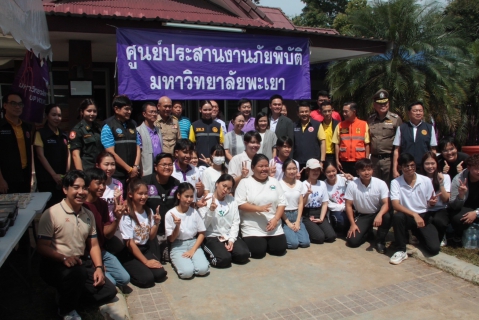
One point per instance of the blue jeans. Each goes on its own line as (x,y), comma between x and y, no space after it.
(296,239)
(114,270)
(339,220)
(187,267)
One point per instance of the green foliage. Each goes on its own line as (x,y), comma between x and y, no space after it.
(319,13)
(341,22)
(466,13)
(426,61)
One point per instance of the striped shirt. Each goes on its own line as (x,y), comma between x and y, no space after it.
(185,125)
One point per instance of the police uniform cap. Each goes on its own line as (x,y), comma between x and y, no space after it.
(382,96)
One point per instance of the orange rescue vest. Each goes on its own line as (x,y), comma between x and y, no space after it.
(352,134)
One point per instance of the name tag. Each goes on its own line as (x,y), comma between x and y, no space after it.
(51,141)
(6,132)
(297,129)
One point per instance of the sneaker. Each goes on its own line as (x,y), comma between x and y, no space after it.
(398,257)
(380,247)
(444,242)
(72,315)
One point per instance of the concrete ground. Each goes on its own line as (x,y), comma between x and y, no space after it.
(329,281)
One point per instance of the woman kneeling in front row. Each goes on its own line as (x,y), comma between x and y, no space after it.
(186,231)
(261,203)
(222,220)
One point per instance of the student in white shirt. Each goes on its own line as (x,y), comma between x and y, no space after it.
(222,220)
(411,196)
(284,146)
(240,165)
(442,191)
(137,229)
(294,229)
(370,197)
(315,197)
(183,171)
(261,203)
(215,170)
(336,186)
(186,231)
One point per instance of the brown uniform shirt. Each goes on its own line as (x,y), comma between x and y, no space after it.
(67,231)
(170,132)
(382,132)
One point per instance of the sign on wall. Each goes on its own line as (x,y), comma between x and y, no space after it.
(192,65)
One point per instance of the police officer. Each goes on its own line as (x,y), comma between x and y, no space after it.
(169,127)
(85,137)
(382,128)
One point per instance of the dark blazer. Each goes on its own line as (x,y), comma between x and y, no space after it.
(285,127)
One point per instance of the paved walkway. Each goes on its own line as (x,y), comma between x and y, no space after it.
(329,281)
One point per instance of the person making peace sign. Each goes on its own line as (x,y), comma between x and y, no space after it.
(222,221)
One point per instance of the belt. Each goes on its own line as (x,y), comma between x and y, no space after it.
(291,210)
(382,156)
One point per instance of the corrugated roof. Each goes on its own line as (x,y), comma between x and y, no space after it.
(190,11)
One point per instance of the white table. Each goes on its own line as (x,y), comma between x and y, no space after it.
(23,221)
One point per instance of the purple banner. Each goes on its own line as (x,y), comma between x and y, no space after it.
(31,81)
(192,65)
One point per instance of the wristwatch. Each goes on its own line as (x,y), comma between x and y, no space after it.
(136,166)
(100,267)
(477,212)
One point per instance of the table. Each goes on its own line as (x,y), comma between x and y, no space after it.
(24,220)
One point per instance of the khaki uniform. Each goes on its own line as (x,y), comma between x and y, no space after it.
(382,133)
(170,132)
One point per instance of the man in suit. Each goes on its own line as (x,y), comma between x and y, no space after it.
(279,124)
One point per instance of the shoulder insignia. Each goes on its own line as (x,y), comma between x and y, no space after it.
(394,115)
(372,116)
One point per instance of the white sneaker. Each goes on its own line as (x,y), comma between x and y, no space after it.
(398,257)
(444,242)
(72,315)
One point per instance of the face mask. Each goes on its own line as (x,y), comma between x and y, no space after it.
(218,160)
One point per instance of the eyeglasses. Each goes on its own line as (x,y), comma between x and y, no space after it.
(16,104)
(152,112)
(166,165)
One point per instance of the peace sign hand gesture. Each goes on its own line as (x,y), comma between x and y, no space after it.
(309,189)
(244,170)
(298,175)
(272,169)
(157,216)
(176,220)
(201,202)
(462,188)
(205,160)
(213,204)
(119,208)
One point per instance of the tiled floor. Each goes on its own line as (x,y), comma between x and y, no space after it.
(327,281)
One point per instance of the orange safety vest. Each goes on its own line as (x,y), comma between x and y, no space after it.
(351,145)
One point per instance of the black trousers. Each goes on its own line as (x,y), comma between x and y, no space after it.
(365,225)
(319,233)
(22,184)
(219,257)
(427,235)
(458,225)
(72,282)
(440,219)
(274,245)
(140,275)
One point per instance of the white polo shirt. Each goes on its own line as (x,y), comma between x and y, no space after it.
(367,200)
(414,198)
(236,163)
(192,175)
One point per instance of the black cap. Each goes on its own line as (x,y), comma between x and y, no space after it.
(382,96)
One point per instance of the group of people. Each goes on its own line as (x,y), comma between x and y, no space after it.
(211,193)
